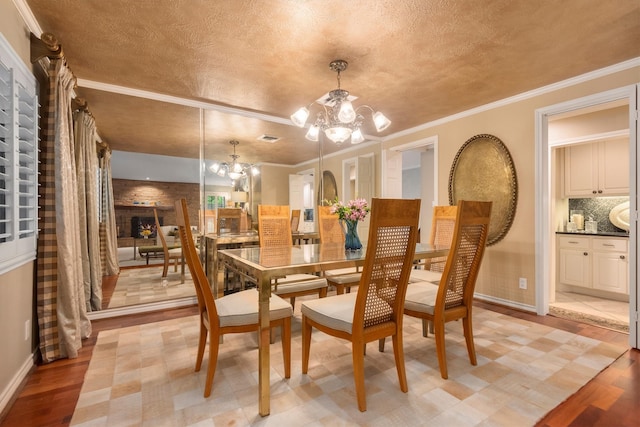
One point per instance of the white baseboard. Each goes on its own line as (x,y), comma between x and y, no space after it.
(14,384)
(142,308)
(507,303)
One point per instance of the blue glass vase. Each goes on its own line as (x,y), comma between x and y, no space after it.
(351,239)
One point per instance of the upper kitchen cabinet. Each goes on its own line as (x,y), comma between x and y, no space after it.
(597,169)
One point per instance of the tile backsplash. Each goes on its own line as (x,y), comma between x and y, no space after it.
(598,208)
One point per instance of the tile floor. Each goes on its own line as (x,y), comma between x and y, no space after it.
(610,310)
(143,375)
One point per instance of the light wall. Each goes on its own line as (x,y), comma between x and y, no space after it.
(16,286)
(514,256)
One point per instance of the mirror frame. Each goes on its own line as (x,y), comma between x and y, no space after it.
(483,170)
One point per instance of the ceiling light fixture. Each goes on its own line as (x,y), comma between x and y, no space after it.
(339,120)
(235,170)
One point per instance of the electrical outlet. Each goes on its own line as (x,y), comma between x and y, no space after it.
(27,329)
(522,283)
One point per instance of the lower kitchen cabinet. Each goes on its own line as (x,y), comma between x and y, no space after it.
(594,262)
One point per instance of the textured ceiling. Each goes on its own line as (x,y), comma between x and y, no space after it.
(416,61)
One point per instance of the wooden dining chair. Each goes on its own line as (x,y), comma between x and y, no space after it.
(375,311)
(174,254)
(452,298)
(234,313)
(274,230)
(443,222)
(330,231)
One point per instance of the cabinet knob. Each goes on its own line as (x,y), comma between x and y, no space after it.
(594,192)
(599,191)
(585,253)
(622,257)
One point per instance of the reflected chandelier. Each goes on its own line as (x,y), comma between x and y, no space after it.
(339,120)
(235,169)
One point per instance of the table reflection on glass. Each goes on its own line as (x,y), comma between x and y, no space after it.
(261,265)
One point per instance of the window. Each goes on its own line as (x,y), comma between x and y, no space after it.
(18,161)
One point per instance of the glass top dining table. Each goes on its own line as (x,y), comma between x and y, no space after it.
(261,265)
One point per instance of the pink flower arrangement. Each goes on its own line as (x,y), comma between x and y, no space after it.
(354,210)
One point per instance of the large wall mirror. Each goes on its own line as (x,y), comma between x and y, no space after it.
(150,171)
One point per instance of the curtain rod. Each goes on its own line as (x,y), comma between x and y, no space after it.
(47,46)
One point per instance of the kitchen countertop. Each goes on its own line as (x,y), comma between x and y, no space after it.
(599,233)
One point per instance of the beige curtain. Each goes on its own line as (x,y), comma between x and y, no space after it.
(108,224)
(87,170)
(60,300)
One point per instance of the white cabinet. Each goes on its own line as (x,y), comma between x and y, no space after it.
(597,169)
(594,262)
(610,265)
(574,260)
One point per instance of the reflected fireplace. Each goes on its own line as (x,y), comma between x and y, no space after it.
(140,223)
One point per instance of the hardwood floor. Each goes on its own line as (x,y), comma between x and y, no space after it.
(49,395)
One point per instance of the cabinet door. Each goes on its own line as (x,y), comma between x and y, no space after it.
(613,167)
(574,267)
(580,170)
(610,272)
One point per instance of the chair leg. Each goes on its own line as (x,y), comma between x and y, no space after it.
(202,342)
(165,268)
(323,292)
(339,289)
(438,325)
(427,326)
(286,346)
(381,342)
(293,303)
(213,361)
(468,336)
(398,354)
(306,344)
(358,374)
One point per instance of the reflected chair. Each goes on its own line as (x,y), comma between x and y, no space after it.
(452,298)
(442,224)
(174,254)
(330,231)
(228,220)
(295,220)
(375,311)
(232,313)
(274,230)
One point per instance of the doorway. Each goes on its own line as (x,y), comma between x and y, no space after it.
(546,220)
(411,171)
(591,279)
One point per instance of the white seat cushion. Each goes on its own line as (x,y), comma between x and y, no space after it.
(343,275)
(421,297)
(299,283)
(425,276)
(175,252)
(335,312)
(241,308)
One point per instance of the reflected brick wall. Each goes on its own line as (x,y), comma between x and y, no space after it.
(138,198)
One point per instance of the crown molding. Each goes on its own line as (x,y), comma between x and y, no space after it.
(602,72)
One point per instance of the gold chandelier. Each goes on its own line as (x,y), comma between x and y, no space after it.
(338,119)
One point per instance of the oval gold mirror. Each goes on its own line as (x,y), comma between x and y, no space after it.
(483,170)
